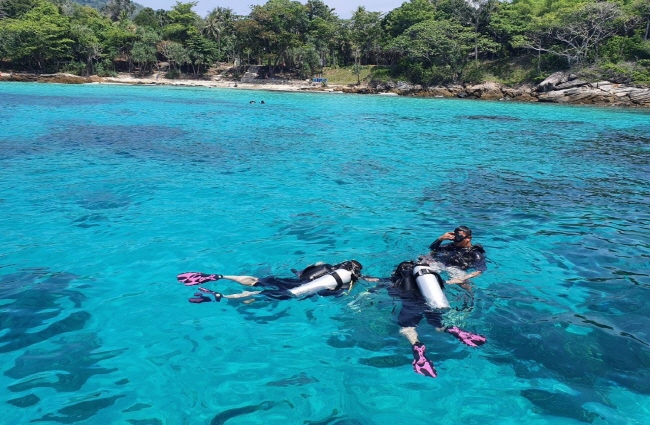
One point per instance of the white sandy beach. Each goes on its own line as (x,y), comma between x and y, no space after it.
(290,86)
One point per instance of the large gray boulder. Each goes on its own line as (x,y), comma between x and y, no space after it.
(486,91)
(553,81)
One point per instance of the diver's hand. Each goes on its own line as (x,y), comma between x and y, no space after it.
(454,281)
(449,236)
(463,279)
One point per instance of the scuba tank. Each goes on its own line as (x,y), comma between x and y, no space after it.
(429,283)
(331,281)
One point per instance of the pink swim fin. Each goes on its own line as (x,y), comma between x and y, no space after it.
(467,338)
(199,298)
(197,278)
(217,295)
(422,365)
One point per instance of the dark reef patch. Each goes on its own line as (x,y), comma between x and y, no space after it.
(80,411)
(25,401)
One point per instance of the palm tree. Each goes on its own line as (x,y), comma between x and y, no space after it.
(218,23)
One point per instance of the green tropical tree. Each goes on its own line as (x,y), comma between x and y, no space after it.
(366,32)
(86,46)
(183,21)
(281,25)
(147,18)
(201,51)
(175,54)
(219,24)
(118,42)
(439,43)
(144,50)
(38,38)
(408,14)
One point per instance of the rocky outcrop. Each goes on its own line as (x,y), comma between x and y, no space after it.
(48,78)
(567,88)
(551,83)
(251,75)
(485,91)
(558,88)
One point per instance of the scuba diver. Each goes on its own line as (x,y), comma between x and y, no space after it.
(317,279)
(420,288)
(460,253)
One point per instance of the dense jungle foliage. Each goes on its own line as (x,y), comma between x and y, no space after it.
(422,41)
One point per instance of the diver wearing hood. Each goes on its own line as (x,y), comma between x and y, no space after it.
(317,279)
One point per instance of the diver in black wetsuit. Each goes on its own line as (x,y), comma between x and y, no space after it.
(460,253)
(318,279)
(415,306)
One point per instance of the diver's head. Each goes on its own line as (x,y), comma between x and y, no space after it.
(403,269)
(353,266)
(357,265)
(462,236)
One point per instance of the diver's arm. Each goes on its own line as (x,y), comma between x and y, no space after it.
(479,265)
(380,283)
(464,278)
(449,236)
(435,245)
(463,282)
(369,278)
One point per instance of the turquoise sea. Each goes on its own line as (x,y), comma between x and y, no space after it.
(108,192)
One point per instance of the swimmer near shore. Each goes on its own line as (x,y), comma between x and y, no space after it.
(318,279)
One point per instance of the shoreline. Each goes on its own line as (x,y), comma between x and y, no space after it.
(561,88)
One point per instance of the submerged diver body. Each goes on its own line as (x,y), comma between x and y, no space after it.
(420,289)
(318,279)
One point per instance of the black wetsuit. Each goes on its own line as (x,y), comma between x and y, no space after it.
(278,288)
(414,306)
(472,257)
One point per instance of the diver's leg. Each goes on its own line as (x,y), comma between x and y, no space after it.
(244,294)
(434,318)
(243,280)
(411,334)
(218,295)
(408,319)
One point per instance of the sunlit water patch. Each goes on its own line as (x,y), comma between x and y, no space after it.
(108,192)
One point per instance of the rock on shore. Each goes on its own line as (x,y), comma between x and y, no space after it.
(567,88)
(558,88)
(48,78)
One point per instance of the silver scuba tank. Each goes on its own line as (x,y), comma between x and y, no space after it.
(429,287)
(329,281)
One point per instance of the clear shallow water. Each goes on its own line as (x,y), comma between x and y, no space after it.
(108,192)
